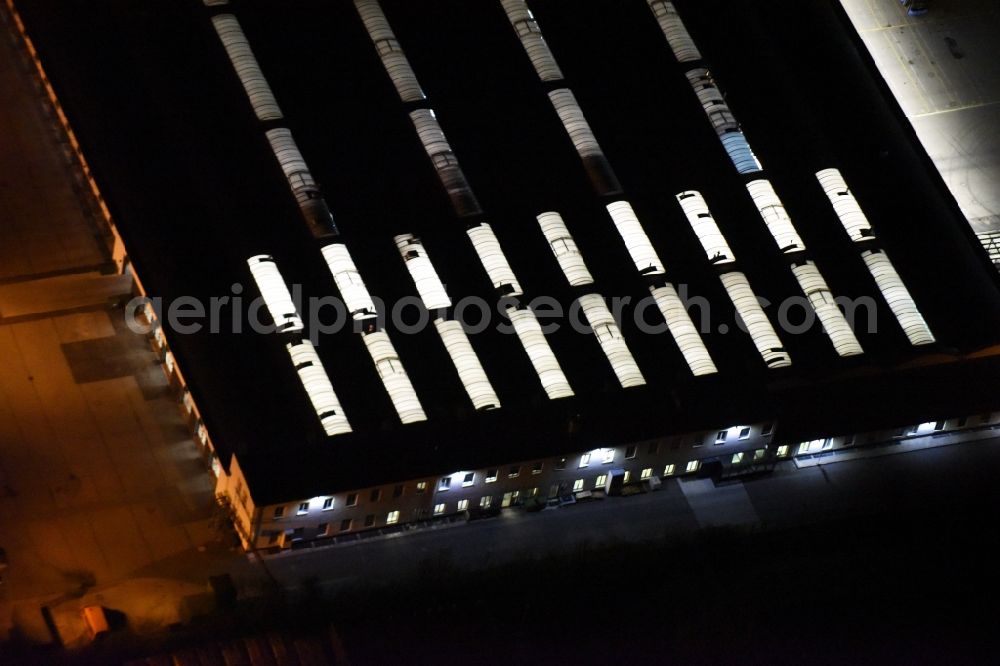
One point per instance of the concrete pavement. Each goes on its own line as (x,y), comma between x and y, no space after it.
(944,69)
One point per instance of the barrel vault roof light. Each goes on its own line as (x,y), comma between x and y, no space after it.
(683,330)
(301,182)
(723,121)
(445,163)
(304,358)
(610,338)
(564,248)
(317,385)
(598,169)
(491,256)
(349,283)
(238,48)
(546,365)
(674,30)
(822,301)
(856,224)
(532,40)
(275,292)
(647,262)
(394,378)
(426,279)
(704,226)
(773,212)
(393,59)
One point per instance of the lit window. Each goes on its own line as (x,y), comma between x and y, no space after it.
(303,508)
(445,483)
(352,499)
(758,454)
(609,456)
(627,477)
(514,472)
(646,473)
(721,436)
(369,520)
(783,450)
(438,509)
(744,433)
(561,463)
(485,501)
(668,470)
(345,524)
(376,495)
(491,475)
(392,518)
(601,481)
(470,479)
(463,504)
(584,460)
(630,452)
(537,468)
(279,511)
(397,491)
(421,487)
(578,485)
(692,466)
(737,458)
(328,504)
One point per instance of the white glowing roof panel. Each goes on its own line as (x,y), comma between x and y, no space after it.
(470,369)
(673,29)
(754,320)
(576,125)
(550,373)
(275,292)
(292,164)
(822,301)
(429,285)
(898,297)
(445,162)
(265,106)
(394,378)
(636,241)
(683,330)
(348,280)
(772,211)
(610,338)
(393,59)
(532,40)
(564,248)
(317,385)
(491,256)
(845,205)
(704,226)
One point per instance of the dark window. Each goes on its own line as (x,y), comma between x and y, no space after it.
(397,491)
(561,463)
(345,524)
(766,430)
(630,452)
(744,433)
(279,511)
(352,499)
(514,471)
(328,503)
(322,528)
(376,495)
(369,520)
(653,449)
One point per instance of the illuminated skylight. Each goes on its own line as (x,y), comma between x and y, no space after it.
(429,286)
(550,373)
(683,330)
(275,292)
(470,370)
(845,205)
(349,283)
(772,211)
(394,378)
(705,228)
(723,121)
(317,385)
(389,50)
(898,297)
(485,243)
(610,338)
(301,182)
(532,40)
(564,248)
(463,200)
(830,316)
(265,106)
(598,169)
(761,332)
(636,241)
(673,29)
